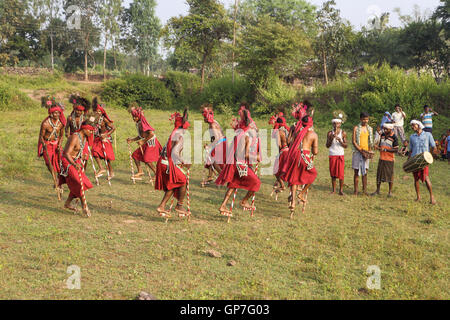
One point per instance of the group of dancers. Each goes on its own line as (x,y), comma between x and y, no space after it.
(89,136)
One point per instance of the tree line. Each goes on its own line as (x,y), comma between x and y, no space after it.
(260,39)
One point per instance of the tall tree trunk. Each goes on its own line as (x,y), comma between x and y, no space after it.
(51,50)
(236,3)
(104,57)
(203,71)
(114,53)
(86,75)
(325,71)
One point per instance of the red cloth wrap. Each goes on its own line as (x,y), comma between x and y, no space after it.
(148,154)
(299,175)
(175,178)
(73,180)
(99,152)
(421,174)
(294,150)
(280,161)
(337,165)
(144,123)
(52,153)
(230,173)
(99,107)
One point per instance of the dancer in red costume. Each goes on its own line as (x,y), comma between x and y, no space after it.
(217,149)
(238,173)
(280,134)
(81,107)
(298,170)
(50,140)
(103,147)
(170,175)
(71,168)
(149,146)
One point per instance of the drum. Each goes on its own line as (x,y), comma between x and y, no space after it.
(418,162)
(368,154)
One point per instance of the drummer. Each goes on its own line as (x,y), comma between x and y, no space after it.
(421,142)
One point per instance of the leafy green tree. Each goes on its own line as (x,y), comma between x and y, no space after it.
(141,31)
(109,14)
(202,30)
(332,42)
(86,36)
(296,14)
(269,48)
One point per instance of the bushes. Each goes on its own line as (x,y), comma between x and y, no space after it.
(148,92)
(184,86)
(222,92)
(379,89)
(276,96)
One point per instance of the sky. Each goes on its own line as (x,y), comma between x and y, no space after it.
(356,11)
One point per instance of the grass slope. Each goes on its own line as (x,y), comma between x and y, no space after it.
(125,247)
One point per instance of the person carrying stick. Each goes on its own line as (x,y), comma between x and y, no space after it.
(238,173)
(103,148)
(72,172)
(170,176)
(50,140)
(149,146)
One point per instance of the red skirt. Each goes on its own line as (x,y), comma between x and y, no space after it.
(53,156)
(279,162)
(148,154)
(163,181)
(421,174)
(337,165)
(99,152)
(231,176)
(218,155)
(73,180)
(298,174)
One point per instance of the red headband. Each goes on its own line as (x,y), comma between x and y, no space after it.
(99,107)
(178,121)
(79,108)
(87,127)
(53,109)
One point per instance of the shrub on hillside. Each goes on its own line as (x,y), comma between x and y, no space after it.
(379,89)
(184,87)
(148,92)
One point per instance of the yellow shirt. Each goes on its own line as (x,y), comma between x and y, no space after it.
(364,139)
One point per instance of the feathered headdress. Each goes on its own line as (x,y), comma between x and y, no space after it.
(298,110)
(208,112)
(278,121)
(48,101)
(180,121)
(339,115)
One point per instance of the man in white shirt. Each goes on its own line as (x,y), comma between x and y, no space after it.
(399,117)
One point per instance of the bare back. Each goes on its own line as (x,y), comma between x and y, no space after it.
(311,142)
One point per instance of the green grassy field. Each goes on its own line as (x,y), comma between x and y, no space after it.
(126,247)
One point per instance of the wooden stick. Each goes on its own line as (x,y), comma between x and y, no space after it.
(93,166)
(254,195)
(106,164)
(188,198)
(232,204)
(83,196)
(131,164)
